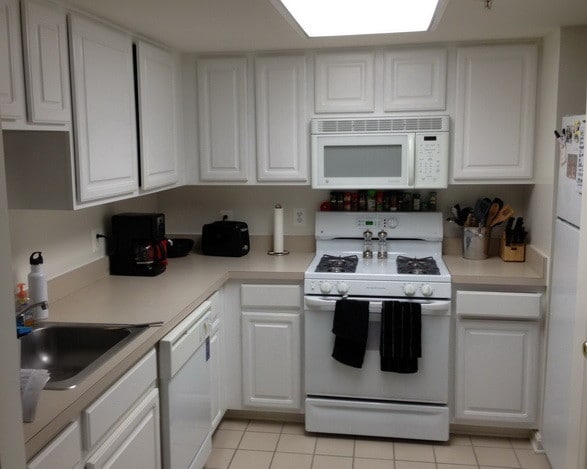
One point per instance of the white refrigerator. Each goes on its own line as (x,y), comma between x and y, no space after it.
(563,289)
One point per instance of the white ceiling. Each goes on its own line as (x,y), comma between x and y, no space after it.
(246,25)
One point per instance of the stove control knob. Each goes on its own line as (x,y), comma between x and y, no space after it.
(427,289)
(409,289)
(325,287)
(392,223)
(342,288)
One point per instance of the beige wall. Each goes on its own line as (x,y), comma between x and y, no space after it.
(12,454)
(188,208)
(64,237)
(540,203)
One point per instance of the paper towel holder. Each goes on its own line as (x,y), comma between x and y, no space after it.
(276,232)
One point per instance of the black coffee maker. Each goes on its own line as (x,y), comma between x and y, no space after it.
(138,244)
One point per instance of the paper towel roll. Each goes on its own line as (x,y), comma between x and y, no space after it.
(278,229)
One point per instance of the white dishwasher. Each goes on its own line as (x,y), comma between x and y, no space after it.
(184,373)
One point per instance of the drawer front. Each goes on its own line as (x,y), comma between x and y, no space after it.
(64,451)
(271,296)
(501,305)
(99,417)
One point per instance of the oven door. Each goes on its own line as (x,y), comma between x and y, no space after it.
(327,377)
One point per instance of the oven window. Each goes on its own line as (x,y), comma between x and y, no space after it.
(363,161)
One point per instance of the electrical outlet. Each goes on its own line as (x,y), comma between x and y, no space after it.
(299,216)
(227,213)
(97,243)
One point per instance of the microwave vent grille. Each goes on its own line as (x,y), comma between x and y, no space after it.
(395,124)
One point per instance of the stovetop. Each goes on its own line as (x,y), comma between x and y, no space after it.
(337,264)
(417,266)
(413,266)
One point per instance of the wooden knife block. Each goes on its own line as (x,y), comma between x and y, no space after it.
(513,252)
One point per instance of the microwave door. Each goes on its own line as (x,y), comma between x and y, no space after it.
(363,161)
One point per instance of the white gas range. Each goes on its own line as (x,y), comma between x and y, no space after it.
(412,266)
(378,259)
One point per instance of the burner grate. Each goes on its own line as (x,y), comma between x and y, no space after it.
(417,266)
(338,264)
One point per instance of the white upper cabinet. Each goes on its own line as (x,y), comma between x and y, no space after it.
(104,110)
(222,119)
(344,82)
(156,82)
(282,130)
(494,119)
(414,80)
(12,98)
(47,63)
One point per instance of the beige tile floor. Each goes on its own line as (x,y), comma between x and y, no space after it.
(253,444)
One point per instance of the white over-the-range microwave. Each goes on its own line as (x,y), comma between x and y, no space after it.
(380,153)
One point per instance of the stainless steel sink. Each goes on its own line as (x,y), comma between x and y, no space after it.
(72,351)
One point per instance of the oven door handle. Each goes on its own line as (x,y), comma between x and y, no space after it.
(375,305)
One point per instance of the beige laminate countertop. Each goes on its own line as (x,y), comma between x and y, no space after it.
(170,297)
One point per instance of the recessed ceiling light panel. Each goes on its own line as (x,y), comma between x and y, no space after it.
(319,18)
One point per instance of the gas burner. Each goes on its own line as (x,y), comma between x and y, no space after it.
(337,264)
(417,266)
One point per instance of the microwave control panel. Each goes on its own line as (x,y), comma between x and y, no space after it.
(431,165)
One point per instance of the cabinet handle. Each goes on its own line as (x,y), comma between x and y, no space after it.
(585,349)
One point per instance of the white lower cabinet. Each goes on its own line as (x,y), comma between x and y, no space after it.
(497,358)
(64,452)
(136,441)
(120,429)
(497,371)
(271,346)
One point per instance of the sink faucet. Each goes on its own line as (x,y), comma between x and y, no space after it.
(22,312)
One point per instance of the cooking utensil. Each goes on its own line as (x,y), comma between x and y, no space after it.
(499,202)
(481,208)
(491,213)
(508,231)
(506,212)
(471,220)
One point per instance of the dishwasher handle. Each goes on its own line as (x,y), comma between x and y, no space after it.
(436,307)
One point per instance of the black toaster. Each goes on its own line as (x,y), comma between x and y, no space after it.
(225,238)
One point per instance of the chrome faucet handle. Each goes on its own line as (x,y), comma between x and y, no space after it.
(22,312)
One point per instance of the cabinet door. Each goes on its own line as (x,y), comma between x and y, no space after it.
(156,80)
(222,119)
(104,110)
(272,360)
(415,80)
(217,383)
(12,100)
(47,63)
(136,442)
(282,134)
(494,119)
(496,371)
(344,82)
(64,452)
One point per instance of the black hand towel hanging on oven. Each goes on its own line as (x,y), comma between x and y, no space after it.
(401,336)
(350,326)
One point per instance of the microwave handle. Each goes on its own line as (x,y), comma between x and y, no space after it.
(411,159)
